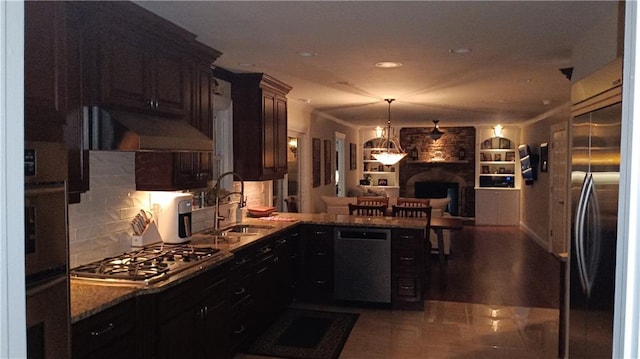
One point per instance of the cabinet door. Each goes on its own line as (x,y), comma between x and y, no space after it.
(486,207)
(125,77)
(44,70)
(281,136)
(170,88)
(269,134)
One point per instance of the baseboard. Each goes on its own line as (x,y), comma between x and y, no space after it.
(541,242)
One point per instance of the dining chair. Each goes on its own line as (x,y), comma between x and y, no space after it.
(412,202)
(412,212)
(373,201)
(367,210)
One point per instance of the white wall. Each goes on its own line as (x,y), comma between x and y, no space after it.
(12,291)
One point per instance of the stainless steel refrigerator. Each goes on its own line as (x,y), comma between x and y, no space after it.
(595,167)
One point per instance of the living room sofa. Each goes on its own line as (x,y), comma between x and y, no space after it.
(340,205)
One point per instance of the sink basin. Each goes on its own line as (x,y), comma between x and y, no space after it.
(247,229)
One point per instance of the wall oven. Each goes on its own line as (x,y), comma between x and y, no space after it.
(46,250)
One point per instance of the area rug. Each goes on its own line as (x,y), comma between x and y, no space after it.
(305,334)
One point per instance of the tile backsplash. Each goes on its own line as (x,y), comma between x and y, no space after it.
(99,226)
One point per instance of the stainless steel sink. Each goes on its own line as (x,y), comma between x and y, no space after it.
(247,229)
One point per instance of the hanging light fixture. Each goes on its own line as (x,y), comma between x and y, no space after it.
(392,152)
(435,134)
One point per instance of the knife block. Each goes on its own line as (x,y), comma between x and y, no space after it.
(149,236)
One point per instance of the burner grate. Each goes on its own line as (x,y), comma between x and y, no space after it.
(149,264)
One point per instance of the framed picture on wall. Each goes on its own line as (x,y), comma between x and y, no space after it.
(510,156)
(315,144)
(497,157)
(382,182)
(327,162)
(353,163)
(505,143)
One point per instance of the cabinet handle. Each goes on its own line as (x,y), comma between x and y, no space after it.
(240,291)
(321,282)
(240,331)
(281,241)
(262,270)
(276,259)
(109,328)
(265,250)
(320,254)
(320,233)
(151,103)
(295,234)
(241,262)
(407,237)
(407,258)
(407,287)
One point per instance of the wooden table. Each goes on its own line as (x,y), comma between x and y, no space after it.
(440,223)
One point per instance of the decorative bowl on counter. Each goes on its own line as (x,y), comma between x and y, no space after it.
(261,211)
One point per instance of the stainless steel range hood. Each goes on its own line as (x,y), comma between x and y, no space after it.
(118,130)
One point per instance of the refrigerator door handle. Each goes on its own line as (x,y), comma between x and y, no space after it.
(579,233)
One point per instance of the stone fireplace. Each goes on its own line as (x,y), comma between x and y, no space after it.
(452,177)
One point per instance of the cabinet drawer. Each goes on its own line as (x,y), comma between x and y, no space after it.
(407,260)
(407,287)
(111,330)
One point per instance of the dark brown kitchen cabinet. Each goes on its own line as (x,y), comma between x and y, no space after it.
(408,268)
(260,126)
(193,318)
(53,84)
(137,62)
(286,248)
(108,334)
(45,70)
(185,170)
(316,263)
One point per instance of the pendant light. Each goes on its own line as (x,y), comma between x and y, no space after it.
(435,134)
(392,152)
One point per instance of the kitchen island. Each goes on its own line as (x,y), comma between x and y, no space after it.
(240,290)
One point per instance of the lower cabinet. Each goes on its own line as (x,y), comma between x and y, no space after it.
(408,268)
(497,207)
(315,280)
(108,334)
(192,318)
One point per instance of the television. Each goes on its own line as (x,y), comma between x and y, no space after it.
(528,164)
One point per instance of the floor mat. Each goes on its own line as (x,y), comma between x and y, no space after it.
(305,334)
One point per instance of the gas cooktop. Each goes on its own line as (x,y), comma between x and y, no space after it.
(145,266)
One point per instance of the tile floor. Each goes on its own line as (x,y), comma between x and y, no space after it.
(449,330)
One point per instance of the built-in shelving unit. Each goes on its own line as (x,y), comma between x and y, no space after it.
(498,180)
(382,177)
(497,163)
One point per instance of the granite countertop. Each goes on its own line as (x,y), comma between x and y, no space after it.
(89,298)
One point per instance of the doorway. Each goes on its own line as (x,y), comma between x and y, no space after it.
(292,178)
(340,169)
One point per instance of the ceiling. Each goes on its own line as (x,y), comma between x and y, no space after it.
(511,74)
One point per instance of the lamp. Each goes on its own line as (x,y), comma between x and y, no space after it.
(435,134)
(293,146)
(497,131)
(392,152)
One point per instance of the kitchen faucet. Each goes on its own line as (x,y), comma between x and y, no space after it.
(216,190)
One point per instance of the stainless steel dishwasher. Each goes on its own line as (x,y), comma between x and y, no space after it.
(362,264)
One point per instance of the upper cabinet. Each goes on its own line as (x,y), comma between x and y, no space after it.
(53,85)
(259,126)
(138,61)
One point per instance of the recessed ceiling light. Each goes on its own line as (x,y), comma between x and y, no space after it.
(307,53)
(305,100)
(388,64)
(546,102)
(461,50)
(246,64)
